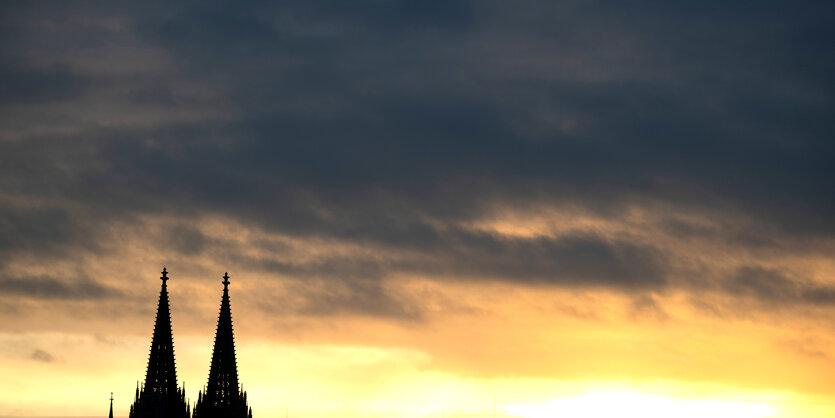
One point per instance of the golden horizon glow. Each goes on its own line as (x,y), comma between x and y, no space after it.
(606,404)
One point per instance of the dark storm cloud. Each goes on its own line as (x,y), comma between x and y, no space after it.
(356,284)
(374,122)
(647,305)
(823,296)
(580,260)
(34,228)
(348,268)
(37,85)
(775,287)
(577,260)
(49,231)
(43,287)
(762,283)
(185,240)
(362,296)
(319,293)
(424,107)
(42,356)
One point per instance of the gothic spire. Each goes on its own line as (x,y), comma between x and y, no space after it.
(161,376)
(159,396)
(223,397)
(111,405)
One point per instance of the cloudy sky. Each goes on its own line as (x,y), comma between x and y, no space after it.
(423,206)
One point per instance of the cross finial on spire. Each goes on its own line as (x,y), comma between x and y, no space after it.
(164,275)
(225,280)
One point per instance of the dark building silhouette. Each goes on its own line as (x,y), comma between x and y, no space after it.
(223,398)
(111,405)
(159,396)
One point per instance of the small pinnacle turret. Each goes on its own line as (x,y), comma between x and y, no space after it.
(223,397)
(159,396)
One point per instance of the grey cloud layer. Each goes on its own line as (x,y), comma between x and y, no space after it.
(55,288)
(374,122)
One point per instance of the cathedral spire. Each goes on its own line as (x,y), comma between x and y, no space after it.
(159,396)
(161,376)
(111,405)
(223,397)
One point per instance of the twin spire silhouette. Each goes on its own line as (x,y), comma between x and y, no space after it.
(159,396)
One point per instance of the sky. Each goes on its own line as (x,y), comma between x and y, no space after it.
(427,209)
